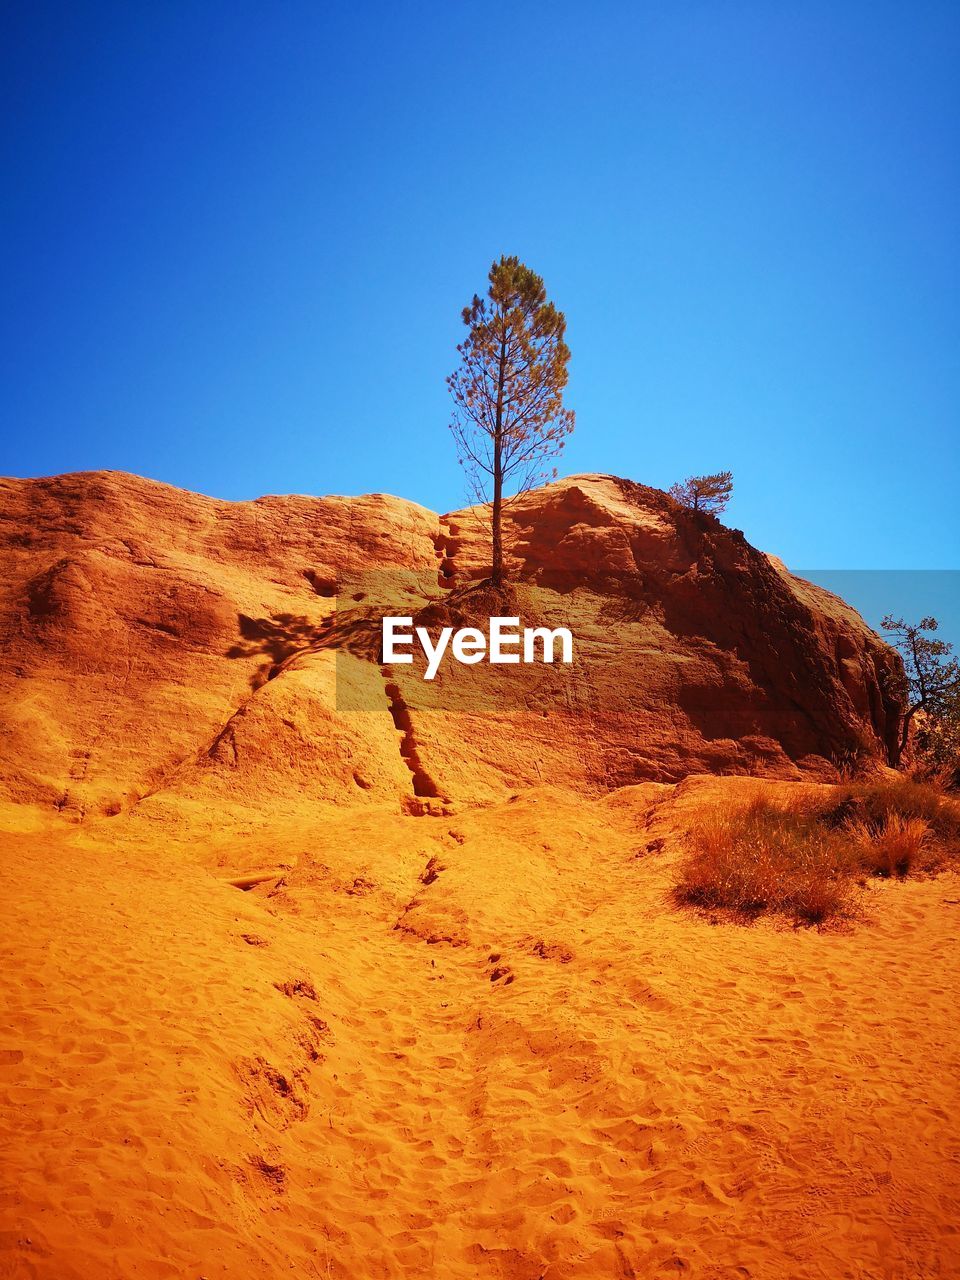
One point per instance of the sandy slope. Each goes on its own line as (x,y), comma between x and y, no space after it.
(482,1045)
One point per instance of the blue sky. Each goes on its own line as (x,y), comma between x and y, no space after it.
(236,239)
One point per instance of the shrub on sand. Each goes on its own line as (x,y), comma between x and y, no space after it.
(884,811)
(803,859)
(894,848)
(766,857)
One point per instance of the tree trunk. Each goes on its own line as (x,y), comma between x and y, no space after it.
(496,573)
(497,570)
(904,735)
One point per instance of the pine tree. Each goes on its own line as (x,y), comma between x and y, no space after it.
(704,493)
(508,416)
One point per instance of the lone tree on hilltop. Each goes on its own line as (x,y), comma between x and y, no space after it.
(704,493)
(931,686)
(508,414)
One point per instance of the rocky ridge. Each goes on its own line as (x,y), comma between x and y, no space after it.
(158,641)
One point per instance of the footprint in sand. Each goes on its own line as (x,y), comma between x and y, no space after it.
(501,972)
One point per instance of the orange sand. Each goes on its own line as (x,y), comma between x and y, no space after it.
(483,1045)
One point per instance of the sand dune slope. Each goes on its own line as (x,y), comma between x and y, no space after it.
(481,1045)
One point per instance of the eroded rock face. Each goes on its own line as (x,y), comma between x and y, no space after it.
(158,642)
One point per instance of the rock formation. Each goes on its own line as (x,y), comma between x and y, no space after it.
(157,640)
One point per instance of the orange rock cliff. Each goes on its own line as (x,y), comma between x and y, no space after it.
(157,640)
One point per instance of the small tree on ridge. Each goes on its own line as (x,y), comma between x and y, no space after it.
(508,415)
(704,493)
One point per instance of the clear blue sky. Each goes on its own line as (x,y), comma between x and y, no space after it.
(236,239)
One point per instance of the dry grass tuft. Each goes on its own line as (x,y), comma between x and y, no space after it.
(768,858)
(803,860)
(891,814)
(905,798)
(892,849)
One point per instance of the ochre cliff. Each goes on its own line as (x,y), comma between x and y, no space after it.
(155,640)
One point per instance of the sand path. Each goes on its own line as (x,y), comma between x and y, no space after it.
(476,1046)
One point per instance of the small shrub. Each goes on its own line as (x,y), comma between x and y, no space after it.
(768,858)
(876,805)
(943,775)
(803,860)
(894,848)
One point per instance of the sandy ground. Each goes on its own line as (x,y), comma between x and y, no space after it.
(483,1045)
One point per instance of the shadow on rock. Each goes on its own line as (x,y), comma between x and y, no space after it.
(283,637)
